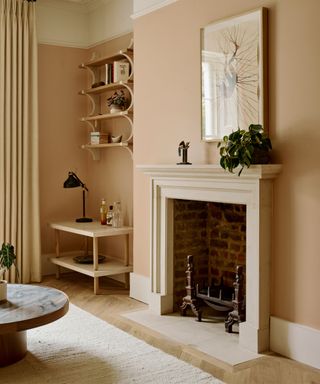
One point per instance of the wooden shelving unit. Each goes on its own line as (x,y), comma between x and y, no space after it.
(96,116)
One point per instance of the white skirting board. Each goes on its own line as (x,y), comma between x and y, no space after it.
(140,287)
(296,341)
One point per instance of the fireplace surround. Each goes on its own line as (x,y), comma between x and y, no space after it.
(254,188)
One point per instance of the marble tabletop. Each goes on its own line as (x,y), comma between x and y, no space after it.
(29,306)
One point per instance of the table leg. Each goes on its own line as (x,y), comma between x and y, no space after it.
(126,251)
(57,236)
(86,246)
(126,260)
(95,264)
(96,285)
(13,347)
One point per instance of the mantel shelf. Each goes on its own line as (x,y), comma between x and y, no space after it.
(210,171)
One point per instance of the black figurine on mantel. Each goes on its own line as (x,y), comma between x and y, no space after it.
(183,148)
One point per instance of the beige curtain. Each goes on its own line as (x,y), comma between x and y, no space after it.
(19,187)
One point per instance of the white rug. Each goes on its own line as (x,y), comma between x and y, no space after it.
(80,348)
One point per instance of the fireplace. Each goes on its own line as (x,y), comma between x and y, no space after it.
(210,183)
(215,234)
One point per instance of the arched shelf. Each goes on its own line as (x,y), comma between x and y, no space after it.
(94,149)
(94,94)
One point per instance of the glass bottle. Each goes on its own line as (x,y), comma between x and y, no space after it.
(103,212)
(117,215)
(110,215)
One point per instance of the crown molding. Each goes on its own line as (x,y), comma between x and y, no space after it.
(151,9)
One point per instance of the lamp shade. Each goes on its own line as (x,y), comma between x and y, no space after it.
(72,181)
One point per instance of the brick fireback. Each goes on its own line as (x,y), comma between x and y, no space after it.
(215,233)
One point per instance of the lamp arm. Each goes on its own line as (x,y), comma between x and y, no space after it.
(81,183)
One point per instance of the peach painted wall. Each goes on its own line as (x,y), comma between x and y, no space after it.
(167,110)
(60,138)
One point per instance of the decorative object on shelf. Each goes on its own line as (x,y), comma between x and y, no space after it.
(103,212)
(88,259)
(117,102)
(245,148)
(116,139)
(117,221)
(7,259)
(110,215)
(98,84)
(183,150)
(234,74)
(73,181)
(98,138)
(121,70)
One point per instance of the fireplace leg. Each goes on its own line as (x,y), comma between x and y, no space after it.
(237,315)
(194,307)
(190,299)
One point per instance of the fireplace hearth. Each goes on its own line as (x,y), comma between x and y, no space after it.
(210,183)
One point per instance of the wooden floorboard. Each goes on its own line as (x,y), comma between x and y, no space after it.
(114,300)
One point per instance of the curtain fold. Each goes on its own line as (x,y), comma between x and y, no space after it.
(19,163)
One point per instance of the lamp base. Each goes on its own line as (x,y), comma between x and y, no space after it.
(84,220)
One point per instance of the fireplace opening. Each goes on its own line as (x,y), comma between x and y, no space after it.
(215,235)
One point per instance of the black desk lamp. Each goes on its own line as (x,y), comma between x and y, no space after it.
(73,181)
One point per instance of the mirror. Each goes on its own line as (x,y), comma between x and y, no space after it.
(233,75)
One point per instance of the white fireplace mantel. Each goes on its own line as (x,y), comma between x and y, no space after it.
(211,183)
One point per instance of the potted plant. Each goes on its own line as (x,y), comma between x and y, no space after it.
(244,147)
(117,102)
(7,259)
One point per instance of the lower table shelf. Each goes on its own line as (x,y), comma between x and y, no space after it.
(107,268)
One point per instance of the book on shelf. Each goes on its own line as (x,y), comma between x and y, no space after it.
(121,71)
(110,74)
(107,73)
(117,71)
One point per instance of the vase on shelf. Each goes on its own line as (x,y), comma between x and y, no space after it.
(114,108)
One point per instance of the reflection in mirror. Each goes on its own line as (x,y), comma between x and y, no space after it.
(233,75)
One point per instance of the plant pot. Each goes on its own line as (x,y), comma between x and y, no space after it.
(114,108)
(260,156)
(3,290)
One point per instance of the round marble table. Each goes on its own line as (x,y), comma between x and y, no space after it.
(28,306)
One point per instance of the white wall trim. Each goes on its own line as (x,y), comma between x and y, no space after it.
(69,44)
(153,8)
(296,341)
(140,287)
(109,38)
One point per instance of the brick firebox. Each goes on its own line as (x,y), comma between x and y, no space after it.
(215,234)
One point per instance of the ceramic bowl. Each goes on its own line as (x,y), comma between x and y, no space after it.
(116,139)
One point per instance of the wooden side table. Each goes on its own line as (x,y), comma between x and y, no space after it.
(28,306)
(94,230)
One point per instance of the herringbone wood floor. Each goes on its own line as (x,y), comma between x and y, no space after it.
(114,300)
